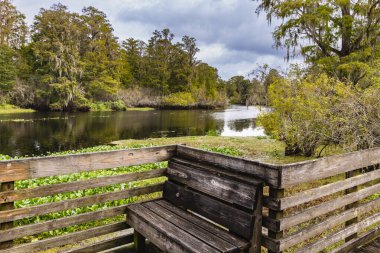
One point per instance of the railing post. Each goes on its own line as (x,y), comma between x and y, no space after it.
(275,215)
(6,186)
(353,205)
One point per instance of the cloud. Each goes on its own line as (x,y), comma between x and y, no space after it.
(229,33)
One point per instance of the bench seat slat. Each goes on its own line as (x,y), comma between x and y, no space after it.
(164,234)
(236,241)
(212,183)
(236,220)
(198,232)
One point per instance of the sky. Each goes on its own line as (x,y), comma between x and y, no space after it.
(230,35)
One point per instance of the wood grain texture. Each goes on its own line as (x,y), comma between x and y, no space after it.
(164,234)
(329,223)
(322,191)
(31,211)
(236,241)
(302,172)
(67,239)
(104,244)
(60,165)
(237,221)
(42,191)
(32,229)
(6,187)
(212,183)
(340,235)
(362,240)
(269,173)
(218,170)
(197,232)
(326,207)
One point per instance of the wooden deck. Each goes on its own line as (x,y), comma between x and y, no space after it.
(323,202)
(373,247)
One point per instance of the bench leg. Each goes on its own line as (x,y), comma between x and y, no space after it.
(139,242)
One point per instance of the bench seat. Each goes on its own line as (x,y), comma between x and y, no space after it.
(174,230)
(204,208)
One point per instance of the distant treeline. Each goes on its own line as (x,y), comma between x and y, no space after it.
(70,61)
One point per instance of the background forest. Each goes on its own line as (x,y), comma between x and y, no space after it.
(70,61)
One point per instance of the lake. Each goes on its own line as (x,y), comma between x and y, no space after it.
(39,133)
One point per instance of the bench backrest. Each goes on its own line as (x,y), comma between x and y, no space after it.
(224,197)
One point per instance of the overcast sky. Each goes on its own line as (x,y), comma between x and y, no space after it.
(230,35)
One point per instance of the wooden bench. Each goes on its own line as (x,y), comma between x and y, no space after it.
(204,208)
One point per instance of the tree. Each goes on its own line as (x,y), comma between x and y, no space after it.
(56,41)
(7,69)
(101,56)
(13,29)
(339,35)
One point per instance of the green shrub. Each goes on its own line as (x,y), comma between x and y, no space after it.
(179,99)
(118,105)
(316,111)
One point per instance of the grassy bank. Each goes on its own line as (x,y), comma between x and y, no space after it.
(256,148)
(8,109)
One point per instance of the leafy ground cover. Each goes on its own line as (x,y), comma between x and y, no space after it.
(7,109)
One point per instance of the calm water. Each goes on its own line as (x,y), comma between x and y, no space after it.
(38,133)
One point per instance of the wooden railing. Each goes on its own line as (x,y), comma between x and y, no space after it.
(330,204)
(50,167)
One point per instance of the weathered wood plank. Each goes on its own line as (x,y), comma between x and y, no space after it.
(340,235)
(164,234)
(275,233)
(6,187)
(303,172)
(327,224)
(236,241)
(212,184)
(60,165)
(32,229)
(326,207)
(257,223)
(10,196)
(222,172)
(31,211)
(353,244)
(234,219)
(322,191)
(67,239)
(269,173)
(104,244)
(195,231)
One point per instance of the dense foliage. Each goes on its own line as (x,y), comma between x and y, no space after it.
(73,61)
(241,90)
(335,99)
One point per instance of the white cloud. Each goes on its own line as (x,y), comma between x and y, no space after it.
(229,33)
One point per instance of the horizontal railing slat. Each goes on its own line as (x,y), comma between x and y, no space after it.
(323,208)
(322,191)
(50,225)
(43,191)
(340,235)
(303,172)
(67,239)
(31,211)
(353,244)
(105,244)
(60,165)
(327,224)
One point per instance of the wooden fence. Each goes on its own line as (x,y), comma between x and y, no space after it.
(330,204)
(32,168)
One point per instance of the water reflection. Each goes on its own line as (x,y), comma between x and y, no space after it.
(39,133)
